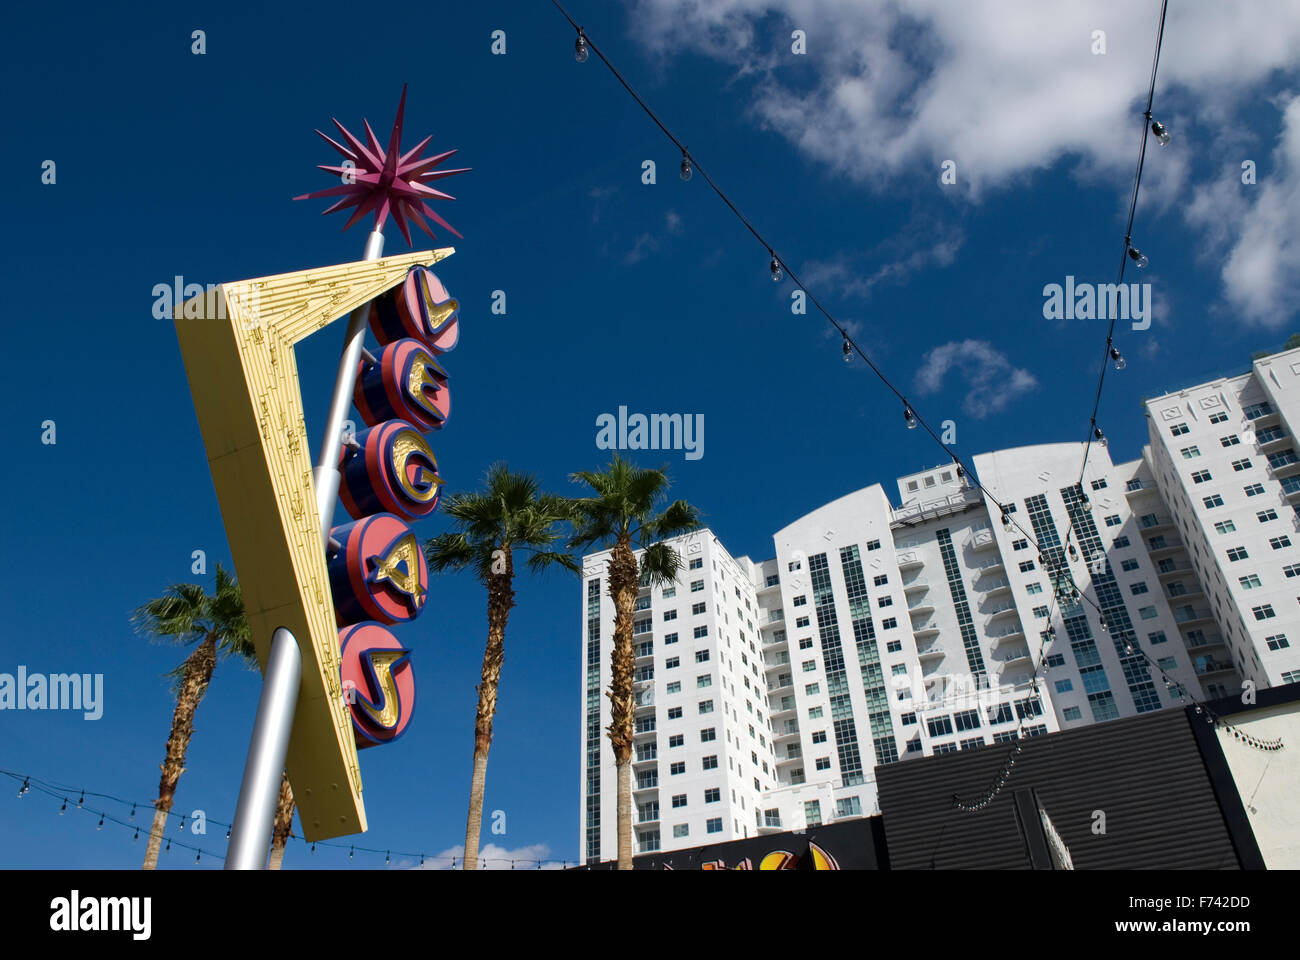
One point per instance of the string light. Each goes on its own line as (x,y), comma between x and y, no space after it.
(101,822)
(63,809)
(24,788)
(775,268)
(1006,520)
(1115,355)
(848,351)
(908,416)
(1100,437)
(1137,256)
(686,165)
(1161,132)
(580,47)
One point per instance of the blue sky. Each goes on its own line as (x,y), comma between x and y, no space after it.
(618,293)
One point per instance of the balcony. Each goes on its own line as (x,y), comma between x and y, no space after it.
(1207,666)
(1284,466)
(1164,546)
(1016,655)
(1271,440)
(645,698)
(992,587)
(776,616)
(646,781)
(918,585)
(1193,615)
(921,606)
(1155,522)
(913,513)
(787,734)
(993,565)
(927,629)
(911,560)
(931,651)
(999,611)
(1192,589)
(774,638)
(1173,568)
(1006,636)
(646,756)
(1197,640)
(981,540)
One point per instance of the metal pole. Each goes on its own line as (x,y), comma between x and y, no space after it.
(259,794)
(250,834)
(327,472)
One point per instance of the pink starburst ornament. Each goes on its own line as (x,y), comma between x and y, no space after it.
(387,181)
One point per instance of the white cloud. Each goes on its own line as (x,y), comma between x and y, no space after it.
(498,858)
(887,91)
(991,381)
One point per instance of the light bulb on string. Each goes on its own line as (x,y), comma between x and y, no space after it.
(63,808)
(686,165)
(1074,554)
(1137,256)
(848,350)
(137,834)
(132,817)
(1100,437)
(81,799)
(388,857)
(1118,358)
(1161,132)
(196,857)
(909,417)
(101,822)
(580,48)
(1006,520)
(774,267)
(27,785)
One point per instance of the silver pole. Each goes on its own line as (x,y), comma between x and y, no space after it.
(327,472)
(250,834)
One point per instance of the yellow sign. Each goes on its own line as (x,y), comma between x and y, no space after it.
(237,341)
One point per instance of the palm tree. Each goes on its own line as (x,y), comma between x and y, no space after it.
(624,513)
(186,613)
(509,514)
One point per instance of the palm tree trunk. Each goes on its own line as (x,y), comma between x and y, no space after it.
(282,829)
(622,590)
(198,673)
(501,597)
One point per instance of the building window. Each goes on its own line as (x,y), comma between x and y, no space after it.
(1201,476)
(713,795)
(814,713)
(677,768)
(697,586)
(1064,686)
(1113,520)
(713,825)
(1225,526)
(1120,542)
(884,601)
(801,622)
(1168,663)
(819,736)
(939,726)
(848,807)
(675,687)
(676,740)
(701,631)
(1026,566)
(888,623)
(823,763)
(1277,641)
(1056,660)
(1178,429)
(670,638)
(1263,612)
(1250,582)
(809,666)
(696,564)
(674,713)
(812,689)
(1240,465)
(670,614)
(1264,516)
(1034,588)
(873,544)
(1019,544)
(907,719)
(1128,565)
(1254,490)
(1231,440)
(805,643)
(672,662)
(1219,417)
(1292,570)
(704,680)
(706,706)
(1040,612)
(1147,613)
(1156,637)
(1277,543)
(881,580)
(1212,501)
(1099,484)
(967,720)
(801,601)
(1257,410)
(1237,553)
(1138,588)
(1190,452)
(894,646)
(1073,713)
(710,762)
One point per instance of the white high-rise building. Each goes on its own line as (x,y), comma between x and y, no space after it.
(768,692)
(1224,459)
